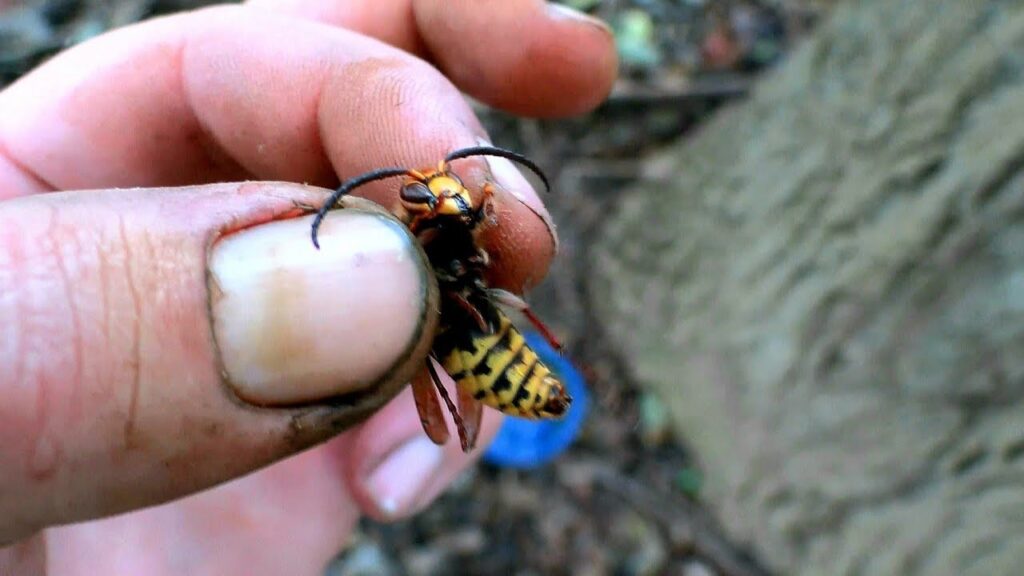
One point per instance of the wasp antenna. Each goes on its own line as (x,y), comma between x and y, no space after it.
(502,153)
(316,226)
(347,187)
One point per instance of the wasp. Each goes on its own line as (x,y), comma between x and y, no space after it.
(476,342)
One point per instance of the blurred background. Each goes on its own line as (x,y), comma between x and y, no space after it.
(792,277)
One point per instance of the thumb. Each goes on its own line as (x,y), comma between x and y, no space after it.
(157,342)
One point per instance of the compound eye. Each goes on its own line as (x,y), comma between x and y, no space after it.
(416,193)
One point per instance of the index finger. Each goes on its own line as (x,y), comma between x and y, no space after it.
(525,56)
(231,93)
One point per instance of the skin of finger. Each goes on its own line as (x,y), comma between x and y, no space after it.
(28,556)
(375,108)
(373,441)
(144,415)
(510,54)
(109,113)
(307,504)
(291,518)
(519,241)
(390,21)
(231,91)
(515,56)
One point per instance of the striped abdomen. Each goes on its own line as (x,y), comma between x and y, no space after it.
(502,371)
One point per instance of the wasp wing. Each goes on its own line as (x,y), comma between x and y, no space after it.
(506,298)
(460,424)
(472,411)
(428,406)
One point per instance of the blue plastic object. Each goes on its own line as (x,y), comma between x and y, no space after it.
(523,443)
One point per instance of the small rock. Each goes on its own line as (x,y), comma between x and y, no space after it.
(695,568)
(424,561)
(720,49)
(578,475)
(642,543)
(463,542)
(363,560)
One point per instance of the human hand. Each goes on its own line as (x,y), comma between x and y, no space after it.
(141,329)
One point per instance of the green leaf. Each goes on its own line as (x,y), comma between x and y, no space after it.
(689,481)
(634,37)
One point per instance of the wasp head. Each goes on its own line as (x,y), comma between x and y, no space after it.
(431,193)
(439,193)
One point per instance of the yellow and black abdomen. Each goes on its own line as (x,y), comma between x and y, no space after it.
(501,370)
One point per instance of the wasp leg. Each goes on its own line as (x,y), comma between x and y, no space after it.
(420,218)
(444,276)
(485,208)
(472,411)
(487,192)
(481,258)
(471,310)
(429,407)
(509,299)
(463,438)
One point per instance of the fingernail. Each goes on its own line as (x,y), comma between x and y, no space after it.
(399,482)
(295,324)
(563,12)
(510,179)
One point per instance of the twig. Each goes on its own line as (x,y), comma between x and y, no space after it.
(671,511)
(706,88)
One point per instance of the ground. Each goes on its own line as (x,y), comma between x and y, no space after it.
(625,498)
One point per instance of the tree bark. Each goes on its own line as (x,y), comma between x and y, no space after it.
(826,286)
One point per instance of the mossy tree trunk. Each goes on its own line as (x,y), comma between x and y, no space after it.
(826,285)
